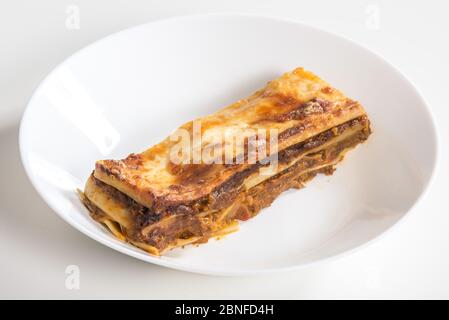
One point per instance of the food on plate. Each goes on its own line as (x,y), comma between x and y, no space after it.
(225,167)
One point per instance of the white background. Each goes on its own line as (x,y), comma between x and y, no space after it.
(36,246)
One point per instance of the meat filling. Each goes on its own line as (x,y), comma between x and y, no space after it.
(234,200)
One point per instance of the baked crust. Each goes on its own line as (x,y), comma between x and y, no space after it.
(298,104)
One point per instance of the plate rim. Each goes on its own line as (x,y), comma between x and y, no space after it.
(230,271)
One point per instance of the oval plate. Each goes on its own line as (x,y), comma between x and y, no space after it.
(128,91)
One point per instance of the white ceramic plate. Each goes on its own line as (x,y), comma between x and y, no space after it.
(128,91)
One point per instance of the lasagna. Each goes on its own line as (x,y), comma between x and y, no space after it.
(157,204)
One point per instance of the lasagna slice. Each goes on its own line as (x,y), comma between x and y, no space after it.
(158,204)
